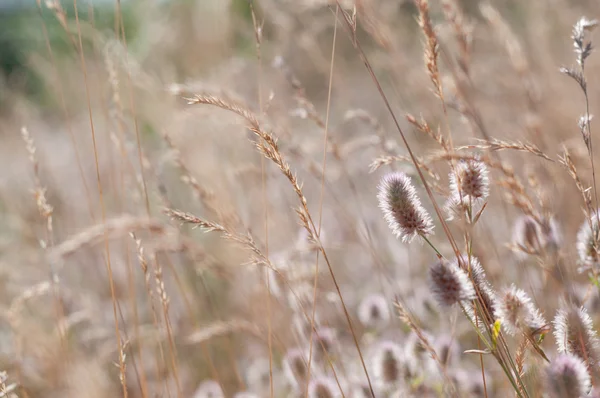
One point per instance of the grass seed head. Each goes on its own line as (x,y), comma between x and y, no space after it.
(518,313)
(323,387)
(209,389)
(567,377)
(588,239)
(373,311)
(449,283)
(388,364)
(470,181)
(402,208)
(575,334)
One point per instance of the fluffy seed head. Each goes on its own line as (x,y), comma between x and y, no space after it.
(258,373)
(373,311)
(447,348)
(402,208)
(486,295)
(575,334)
(470,181)
(295,367)
(449,283)
(388,364)
(532,238)
(567,377)
(518,313)
(588,242)
(323,387)
(582,49)
(323,342)
(209,389)
(361,391)
(245,394)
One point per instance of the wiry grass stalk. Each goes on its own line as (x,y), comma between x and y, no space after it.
(258,41)
(102,205)
(321,195)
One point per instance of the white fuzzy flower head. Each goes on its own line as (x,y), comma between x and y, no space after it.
(567,377)
(323,387)
(449,283)
(373,311)
(574,334)
(245,394)
(324,341)
(588,242)
(361,391)
(209,389)
(295,367)
(388,364)
(532,238)
(487,296)
(470,181)
(519,314)
(402,208)
(448,349)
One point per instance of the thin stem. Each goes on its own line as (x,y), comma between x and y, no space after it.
(325,143)
(432,246)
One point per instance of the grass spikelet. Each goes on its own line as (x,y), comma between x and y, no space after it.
(518,313)
(402,208)
(567,377)
(448,349)
(532,238)
(373,311)
(575,335)
(295,367)
(323,387)
(449,283)
(431,47)
(483,289)
(209,389)
(470,181)
(388,364)
(324,340)
(245,394)
(588,242)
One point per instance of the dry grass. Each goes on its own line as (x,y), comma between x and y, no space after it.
(194,213)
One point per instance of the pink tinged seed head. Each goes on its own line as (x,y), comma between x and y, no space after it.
(245,394)
(373,311)
(470,181)
(486,294)
(324,340)
(588,241)
(402,208)
(567,377)
(533,238)
(449,283)
(209,389)
(388,364)
(574,334)
(295,367)
(323,387)
(447,348)
(519,314)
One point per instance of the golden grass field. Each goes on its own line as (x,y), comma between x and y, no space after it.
(191,199)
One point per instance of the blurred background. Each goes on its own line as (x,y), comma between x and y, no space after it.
(98,90)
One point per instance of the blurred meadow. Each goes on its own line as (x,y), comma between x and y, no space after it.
(191,196)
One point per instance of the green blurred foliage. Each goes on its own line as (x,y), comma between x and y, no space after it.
(22,34)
